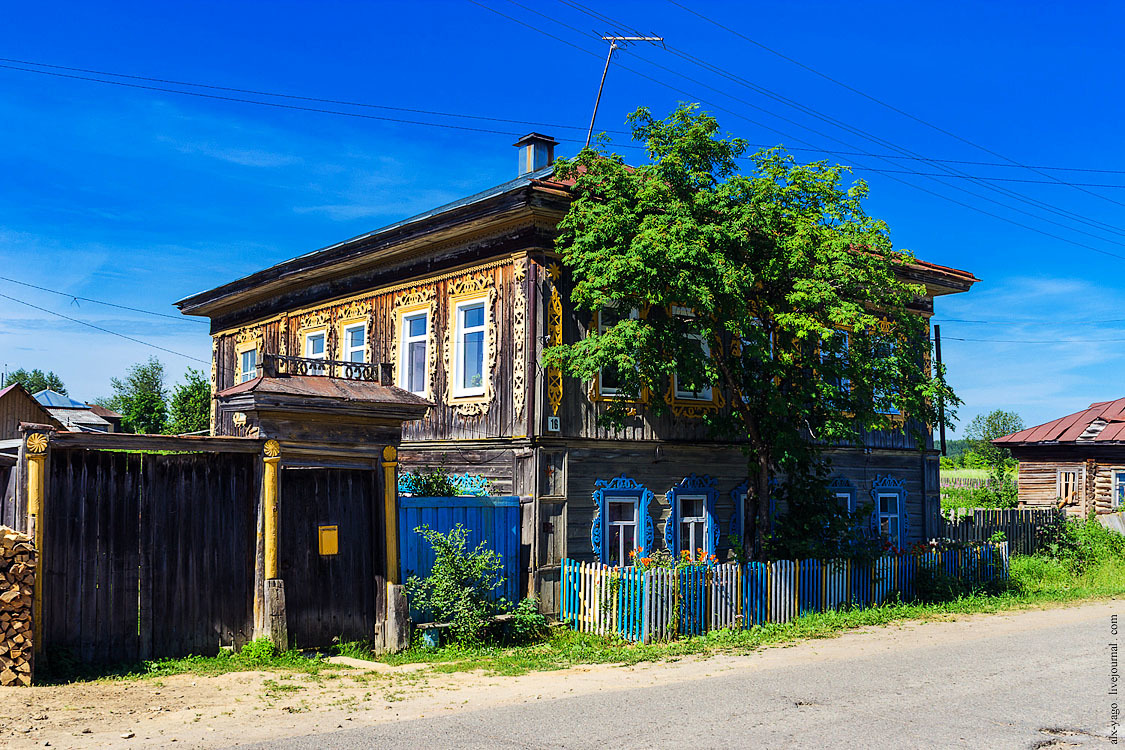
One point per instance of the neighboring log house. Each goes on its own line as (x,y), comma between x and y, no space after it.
(456,305)
(1076,462)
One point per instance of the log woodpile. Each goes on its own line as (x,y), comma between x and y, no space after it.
(17,581)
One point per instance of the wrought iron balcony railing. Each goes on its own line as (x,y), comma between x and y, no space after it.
(280,364)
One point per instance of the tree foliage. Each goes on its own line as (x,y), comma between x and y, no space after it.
(141,398)
(190,407)
(772,287)
(984,428)
(36,380)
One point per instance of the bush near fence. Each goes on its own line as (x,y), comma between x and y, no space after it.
(647,605)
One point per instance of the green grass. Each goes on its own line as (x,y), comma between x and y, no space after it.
(1034,581)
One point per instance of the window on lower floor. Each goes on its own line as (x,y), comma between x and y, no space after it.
(1118,500)
(845,499)
(621,530)
(693,523)
(890,516)
(1068,486)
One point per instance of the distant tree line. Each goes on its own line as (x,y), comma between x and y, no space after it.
(141,397)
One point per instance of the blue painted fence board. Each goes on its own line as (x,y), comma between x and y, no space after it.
(492,520)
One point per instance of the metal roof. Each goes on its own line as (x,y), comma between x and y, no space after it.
(57,400)
(1101,422)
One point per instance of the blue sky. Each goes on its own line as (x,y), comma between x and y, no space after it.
(142,197)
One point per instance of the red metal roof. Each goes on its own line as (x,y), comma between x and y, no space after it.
(1110,416)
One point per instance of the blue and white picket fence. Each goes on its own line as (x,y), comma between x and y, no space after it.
(641,605)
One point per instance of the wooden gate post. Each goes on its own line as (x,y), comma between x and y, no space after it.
(275,618)
(396,628)
(35,448)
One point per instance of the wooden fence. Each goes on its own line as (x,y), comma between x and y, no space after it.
(148,555)
(1022,527)
(647,605)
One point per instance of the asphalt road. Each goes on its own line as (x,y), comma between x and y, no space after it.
(1041,685)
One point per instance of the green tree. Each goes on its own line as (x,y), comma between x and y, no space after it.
(36,380)
(190,406)
(984,428)
(140,398)
(773,288)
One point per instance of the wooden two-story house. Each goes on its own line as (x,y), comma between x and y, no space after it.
(457,304)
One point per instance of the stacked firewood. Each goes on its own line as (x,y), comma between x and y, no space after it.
(17,579)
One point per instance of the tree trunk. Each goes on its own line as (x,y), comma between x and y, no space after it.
(757,521)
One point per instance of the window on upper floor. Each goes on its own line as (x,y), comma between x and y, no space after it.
(682,388)
(468,355)
(355,343)
(885,397)
(413,355)
(248,365)
(316,347)
(834,361)
(609,378)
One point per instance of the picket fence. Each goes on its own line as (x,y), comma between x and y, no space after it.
(649,605)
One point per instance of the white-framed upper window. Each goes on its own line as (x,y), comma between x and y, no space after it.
(621,537)
(468,352)
(890,516)
(414,338)
(248,365)
(609,378)
(316,347)
(683,390)
(354,348)
(693,523)
(1118,501)
(1068,485)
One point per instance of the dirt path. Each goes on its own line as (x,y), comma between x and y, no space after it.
(240,708)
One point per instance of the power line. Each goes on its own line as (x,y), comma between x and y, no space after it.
(181,318)
(859,165)
(1034,341)
(104,330)
(1107,321)
(858,131)
(880,101)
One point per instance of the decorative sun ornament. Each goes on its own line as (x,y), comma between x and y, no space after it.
(555,271)
(272,449)
(37,442)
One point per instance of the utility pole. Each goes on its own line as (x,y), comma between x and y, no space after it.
(614,45)
(941,401)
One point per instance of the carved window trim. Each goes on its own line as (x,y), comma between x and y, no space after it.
(692,486)
(890,485)
(461,291)
(596,393)
(245,340)
(350,315)
(620,488)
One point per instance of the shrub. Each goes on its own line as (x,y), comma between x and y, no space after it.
(933,585)
(527,624)
(1080,543)
(460,587)
(436,483)
(257,651)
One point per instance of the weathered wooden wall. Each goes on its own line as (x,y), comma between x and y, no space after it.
(149,555)
(1038,480)
(18,406)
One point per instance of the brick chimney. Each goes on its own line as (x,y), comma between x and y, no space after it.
(536,151)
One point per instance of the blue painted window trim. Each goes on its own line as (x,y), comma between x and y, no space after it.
(841,486)
(692,484)
(886,485)
(738,497)
(620,488)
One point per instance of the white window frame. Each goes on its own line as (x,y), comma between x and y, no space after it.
(1117,500)
(307,341)
(634,314)
(692,544)
(247,373)
(706,393)
(897,515)
(346,349)
(405,340)
(460,391)
(1060,483)
(634,503)
(846,498)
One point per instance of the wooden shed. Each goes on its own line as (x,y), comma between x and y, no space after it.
(1076,462)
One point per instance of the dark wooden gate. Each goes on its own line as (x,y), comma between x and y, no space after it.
(148,555)
(329,597)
